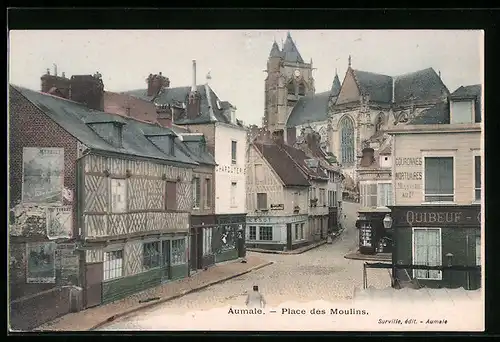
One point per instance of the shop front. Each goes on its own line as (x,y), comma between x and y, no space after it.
(445,241)
(374,237)
(277,232)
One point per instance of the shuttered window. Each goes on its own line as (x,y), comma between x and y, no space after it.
(171,196)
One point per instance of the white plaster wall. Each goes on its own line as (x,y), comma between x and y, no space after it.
(226,173)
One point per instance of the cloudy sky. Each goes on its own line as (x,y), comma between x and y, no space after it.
(237,59)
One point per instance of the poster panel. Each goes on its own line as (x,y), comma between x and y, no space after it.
(41,266)
(43,175)
(59,222)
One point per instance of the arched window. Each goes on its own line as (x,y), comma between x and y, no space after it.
(291,88)
(302,89)
(346,141)
(379,123)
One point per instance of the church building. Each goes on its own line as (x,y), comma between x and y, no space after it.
(351,115)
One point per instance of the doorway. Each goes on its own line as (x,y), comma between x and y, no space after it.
(289,236)
(165,260)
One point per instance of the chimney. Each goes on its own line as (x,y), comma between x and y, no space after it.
(88,90)
(165,115)
(367,157)
(193,84)
(194,100)
(156,83)
(53,84)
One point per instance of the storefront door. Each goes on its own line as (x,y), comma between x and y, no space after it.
(165,247)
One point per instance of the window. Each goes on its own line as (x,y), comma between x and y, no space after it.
(462,112)
(233,152)
(302,231)
(196,193)
(118,195)
(262,201)
(266,233)
(171,196)
(368,194)
(477,178)
(233,194)
(290,88)
(208,193)
(384,194)
(346,140)
(322,200)
(478,250)
(297,231)
(438,179)
(427,251)
(179,253)
(207,241)
(113,265)
(259,174)
(379,122)
(252,233)
(151,255)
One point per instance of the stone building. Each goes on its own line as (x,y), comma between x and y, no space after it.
(350,113)
(98,202)
(437,182)
(198,109)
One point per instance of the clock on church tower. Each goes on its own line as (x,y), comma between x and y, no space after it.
(297,73)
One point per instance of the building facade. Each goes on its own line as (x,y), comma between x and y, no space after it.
(437,183)
(198,109)
(277,199)
(103,204)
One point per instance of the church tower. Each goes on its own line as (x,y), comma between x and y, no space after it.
(288,79)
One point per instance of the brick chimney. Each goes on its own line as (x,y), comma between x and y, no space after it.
(156,83)
(367,157)
(194,99)
(164,115)
(55,85)
(89,90)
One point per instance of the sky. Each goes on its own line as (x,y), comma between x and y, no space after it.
(237,59)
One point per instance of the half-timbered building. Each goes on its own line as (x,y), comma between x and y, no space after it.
(131,191)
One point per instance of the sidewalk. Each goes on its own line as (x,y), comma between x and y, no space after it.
(95,317)
(383,257)
(298,250)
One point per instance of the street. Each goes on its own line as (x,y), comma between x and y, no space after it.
(319,274)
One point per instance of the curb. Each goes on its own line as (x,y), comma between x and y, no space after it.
(183,293)
(366,258)
(264,251)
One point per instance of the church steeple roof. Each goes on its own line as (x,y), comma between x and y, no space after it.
(290,51)
(275,50)
(336,85)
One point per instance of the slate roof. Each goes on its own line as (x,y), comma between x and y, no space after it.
(282,164)
(179,95)
(470,91)
(377,85)
(335,86)
(311,108)
(423,85)
(73,117)
(290,52)
(300,158)
(275,50)
(193,144)
(437,114)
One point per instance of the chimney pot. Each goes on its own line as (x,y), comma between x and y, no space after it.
(193,85)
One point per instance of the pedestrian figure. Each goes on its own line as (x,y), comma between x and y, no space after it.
(255,299)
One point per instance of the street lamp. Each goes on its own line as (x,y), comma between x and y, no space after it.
(387,221)
(449,257)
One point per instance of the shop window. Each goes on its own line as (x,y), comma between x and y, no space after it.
(252,233)
(113,265)
(266,233)
(151,255)
(297,231)
(427,251)
(179,253)
(438,179)
(302,231)
(207,241)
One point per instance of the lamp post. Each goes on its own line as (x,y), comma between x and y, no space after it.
(387,222)
(449,258)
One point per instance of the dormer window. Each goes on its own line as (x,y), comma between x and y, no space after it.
(164,141)
(461,111)
(110,131)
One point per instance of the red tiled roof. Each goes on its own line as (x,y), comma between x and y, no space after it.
(129,106)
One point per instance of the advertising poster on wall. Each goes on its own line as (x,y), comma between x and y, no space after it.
(41,266)
(43,174)
(59,222)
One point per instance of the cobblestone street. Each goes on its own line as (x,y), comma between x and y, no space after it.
(319,274)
